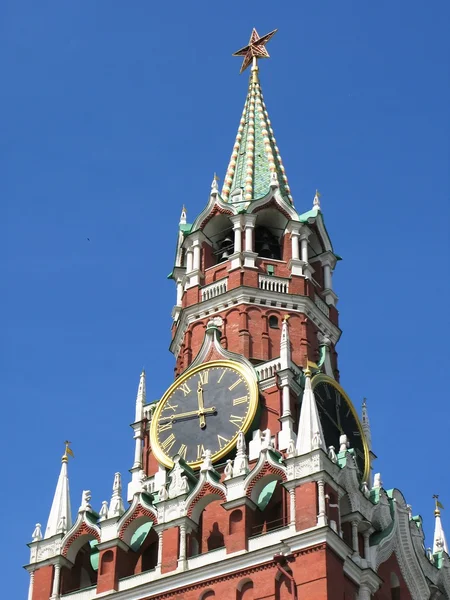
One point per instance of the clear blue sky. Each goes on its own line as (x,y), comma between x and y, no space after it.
(113,115)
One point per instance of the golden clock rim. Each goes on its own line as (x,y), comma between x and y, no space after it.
(321,377)
(252,382)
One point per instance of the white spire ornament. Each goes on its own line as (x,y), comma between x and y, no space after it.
(316,201)
(60,512)
(116,507)
(140,398)
(439,541)
(366,424)
(36,536)
(183,216)
(310,434)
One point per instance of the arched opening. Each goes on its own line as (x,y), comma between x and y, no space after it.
(395,587)
(209,514)
(143,541)
(270,498)
(245,590)
(273,322)
(219,231)
(267,245)
(84,572)
(207,595)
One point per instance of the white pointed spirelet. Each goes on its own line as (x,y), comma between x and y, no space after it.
(366,424)
(60,518)
(140,398)
(310,434)
(116,506)
(439,541)
(285,344)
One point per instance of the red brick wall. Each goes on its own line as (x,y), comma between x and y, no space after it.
(43,581)
(306,505)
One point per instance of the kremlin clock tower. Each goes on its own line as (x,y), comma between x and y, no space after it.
(253,474)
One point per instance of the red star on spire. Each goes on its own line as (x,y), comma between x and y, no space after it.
(255,48)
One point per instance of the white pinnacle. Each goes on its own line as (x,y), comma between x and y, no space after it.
(60,518)
(285,345)
(310,434)
(439,541)
(183,216)
(116,507)
(366,424)
(140,398)
(316,201)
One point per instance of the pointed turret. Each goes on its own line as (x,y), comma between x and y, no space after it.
(439,541)
(366,424)
(116,507)
(310,434)
(60,518)
(183,216)
(255,164)
(316,201)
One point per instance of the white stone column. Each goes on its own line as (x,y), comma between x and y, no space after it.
(249,237)
(30,588)
(355,537)
(237,236)
(182,555)
(304,245)
(160,549)
(56,581)
(286,401)
(364,592)
(292,506)
(179,291)
(327,277)
(196,249)
(189,260)
(295,247)
(322,516)
(366,535)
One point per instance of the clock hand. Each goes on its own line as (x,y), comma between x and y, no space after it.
(191,413)
(201,406)
(332,420)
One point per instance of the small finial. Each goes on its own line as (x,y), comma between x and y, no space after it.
(183,215)
(286,318)
(316,201)
(214,184)
(344,444)
(307,370)
(438,505)
(67,452)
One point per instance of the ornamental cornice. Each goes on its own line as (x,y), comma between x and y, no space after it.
(251,296)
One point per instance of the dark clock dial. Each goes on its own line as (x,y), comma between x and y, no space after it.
(204,410)
(338,416)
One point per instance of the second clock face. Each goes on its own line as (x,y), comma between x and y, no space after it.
(338,416)
(204,410)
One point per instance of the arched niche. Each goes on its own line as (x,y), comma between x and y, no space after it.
(245,589)
(207,595)
(211,519)
(83,554)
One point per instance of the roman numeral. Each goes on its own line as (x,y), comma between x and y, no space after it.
(241,400)
(169,406)
(338,401)
(167,444)
(200,451)
(235,384)
(327,391)
(185,389)
(182,451)
(223,441)
(220,378)
(357,433)
(238,421)
(203,376)
(164,426)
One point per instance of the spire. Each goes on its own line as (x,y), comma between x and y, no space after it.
(310,434)
(140,398)
(60,518)
(366,423)
(439,541)
(285,344)
(183,216)
(255,164)
(116,507)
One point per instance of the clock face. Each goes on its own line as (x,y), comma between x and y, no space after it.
(338,416)
(204,409)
